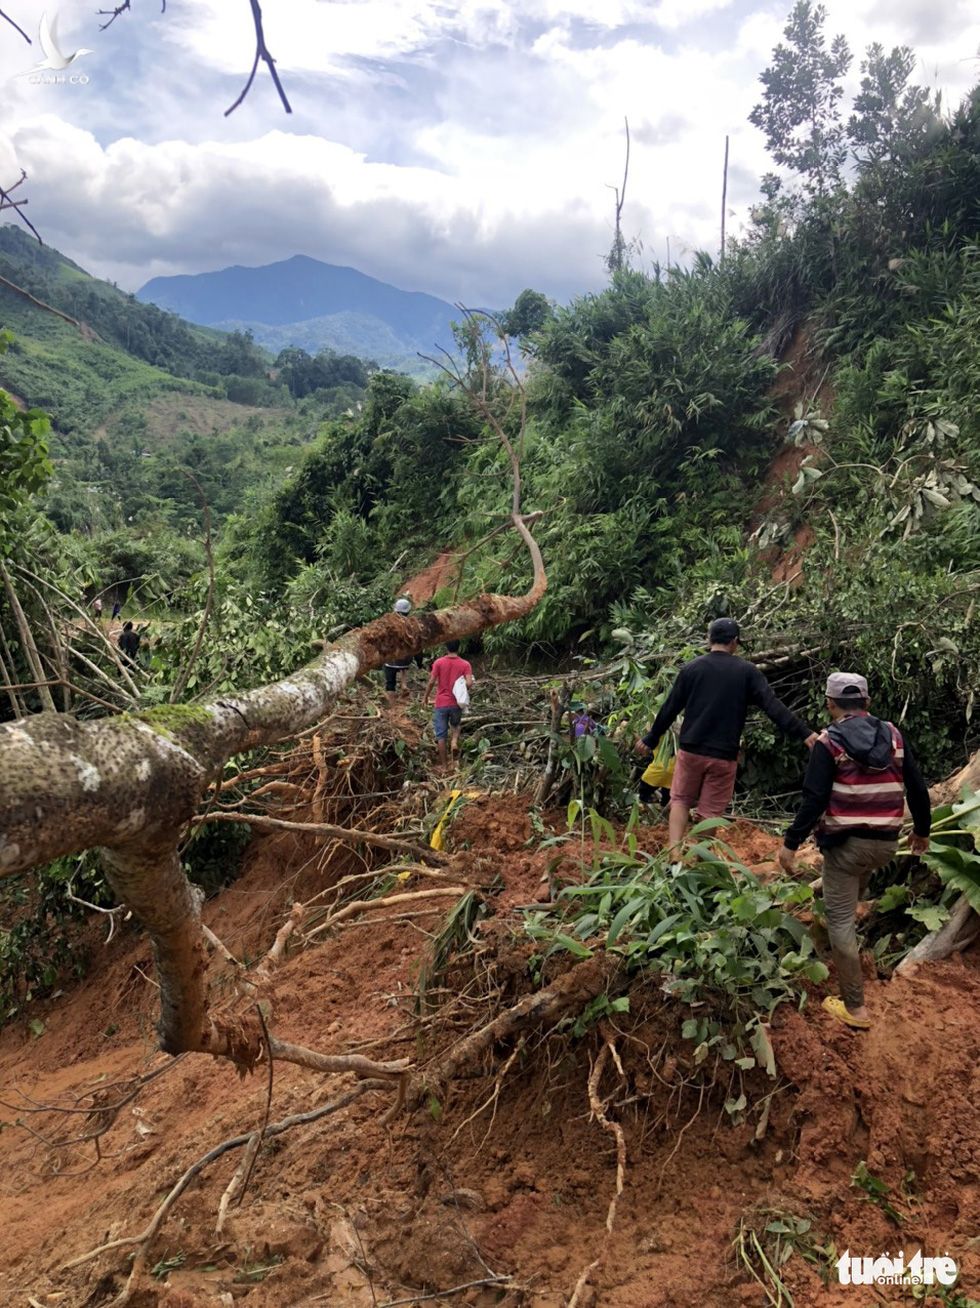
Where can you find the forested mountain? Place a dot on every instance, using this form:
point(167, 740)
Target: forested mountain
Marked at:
point(150, 413)
point(304, 302)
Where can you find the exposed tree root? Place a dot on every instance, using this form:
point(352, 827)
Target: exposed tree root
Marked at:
point(607, 1052)
point(356, 1063)
point(568, 993)
point(100, 1112)
point(500, 1281)
point(144, 1239)
point(598, 1110)
point(383, 901)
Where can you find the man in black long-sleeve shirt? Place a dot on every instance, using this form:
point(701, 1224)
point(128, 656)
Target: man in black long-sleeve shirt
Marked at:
point(861, 772)
point(714, 692)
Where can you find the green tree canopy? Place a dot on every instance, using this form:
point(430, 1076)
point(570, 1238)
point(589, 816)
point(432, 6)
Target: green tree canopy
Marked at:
point(800, 111)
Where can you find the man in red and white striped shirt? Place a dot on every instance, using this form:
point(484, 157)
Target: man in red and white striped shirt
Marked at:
point(860, 772)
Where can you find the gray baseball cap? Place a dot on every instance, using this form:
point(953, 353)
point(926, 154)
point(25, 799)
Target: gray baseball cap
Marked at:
point(403, 604)
point(846, 685)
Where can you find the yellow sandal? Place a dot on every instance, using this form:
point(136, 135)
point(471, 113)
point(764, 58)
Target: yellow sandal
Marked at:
point(836, 1007)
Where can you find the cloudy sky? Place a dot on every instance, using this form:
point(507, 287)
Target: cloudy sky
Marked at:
point(462, 147)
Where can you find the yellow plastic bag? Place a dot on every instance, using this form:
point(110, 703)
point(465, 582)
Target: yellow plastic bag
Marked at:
point(660, 770)
point(659, 774)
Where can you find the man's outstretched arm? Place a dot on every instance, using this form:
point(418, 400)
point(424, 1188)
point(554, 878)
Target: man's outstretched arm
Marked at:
point(761, 694)
point(920, 805)
point(665, 719)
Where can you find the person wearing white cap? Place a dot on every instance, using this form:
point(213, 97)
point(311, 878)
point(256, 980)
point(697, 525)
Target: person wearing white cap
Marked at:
point(860, 772)
point(396, 670)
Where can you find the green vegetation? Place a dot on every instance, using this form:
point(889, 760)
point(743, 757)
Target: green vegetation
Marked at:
point(787, 434)
point(722, 944)
point(24, 464)
point(151, 416)
point(838, 334)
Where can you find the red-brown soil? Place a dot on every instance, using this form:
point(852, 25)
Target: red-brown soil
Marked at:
point(350, 1211)
point(802, 378)
point(427, 583)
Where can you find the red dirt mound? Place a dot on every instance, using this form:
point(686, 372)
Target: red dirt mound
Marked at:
point(509, 1174)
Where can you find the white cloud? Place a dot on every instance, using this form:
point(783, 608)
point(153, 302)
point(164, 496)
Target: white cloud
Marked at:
point(673, 14)
point(464, 148)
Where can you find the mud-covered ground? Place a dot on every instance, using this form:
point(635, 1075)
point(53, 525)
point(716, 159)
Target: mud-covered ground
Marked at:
point(507, 1176)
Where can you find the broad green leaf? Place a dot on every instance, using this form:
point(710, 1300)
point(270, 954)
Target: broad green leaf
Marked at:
point(893, 897)
point(625, 914)
point(609, 755)
point(762, 1045)
point(930, 915)
point(574, 947)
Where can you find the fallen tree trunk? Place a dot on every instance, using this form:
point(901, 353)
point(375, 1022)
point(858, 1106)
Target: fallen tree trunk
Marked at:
point(129, 784)
point(963, 925)
point(958, 933)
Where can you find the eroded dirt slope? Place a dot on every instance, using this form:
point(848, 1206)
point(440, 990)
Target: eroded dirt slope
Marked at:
point(509, 1175)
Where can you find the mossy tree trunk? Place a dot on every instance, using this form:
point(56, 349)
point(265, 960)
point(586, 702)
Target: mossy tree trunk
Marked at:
point(128, 785)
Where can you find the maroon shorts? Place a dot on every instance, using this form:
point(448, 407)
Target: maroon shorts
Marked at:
point(703, 783)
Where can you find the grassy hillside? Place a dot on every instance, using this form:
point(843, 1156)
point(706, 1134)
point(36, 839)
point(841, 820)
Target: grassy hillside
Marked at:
point(137, 399)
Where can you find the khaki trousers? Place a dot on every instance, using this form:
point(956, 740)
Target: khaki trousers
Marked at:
point(847, 869)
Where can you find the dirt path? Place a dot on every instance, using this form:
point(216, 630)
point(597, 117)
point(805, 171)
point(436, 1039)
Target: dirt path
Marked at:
point(352, 1212)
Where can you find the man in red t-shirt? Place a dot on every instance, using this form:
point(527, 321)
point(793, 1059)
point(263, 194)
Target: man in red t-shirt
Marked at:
point(447, 715)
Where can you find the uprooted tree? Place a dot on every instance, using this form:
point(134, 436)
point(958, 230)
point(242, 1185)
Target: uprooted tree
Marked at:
point(128, 785)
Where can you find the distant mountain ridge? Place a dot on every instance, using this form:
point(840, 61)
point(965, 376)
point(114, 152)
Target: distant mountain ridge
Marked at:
point(305, 302)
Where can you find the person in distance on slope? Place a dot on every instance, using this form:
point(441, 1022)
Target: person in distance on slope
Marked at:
point(860, 771)
point(396, 671)
point(447, 715)
point(129, 641)
point(714, 692)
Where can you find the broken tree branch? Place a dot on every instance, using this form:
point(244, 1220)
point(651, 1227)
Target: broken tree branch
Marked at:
point(261, 55)
point(27, 642)
point(18, 205)
point(327, 829)
point(16, 26)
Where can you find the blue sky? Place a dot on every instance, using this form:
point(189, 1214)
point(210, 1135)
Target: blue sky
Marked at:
point(466, 149)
